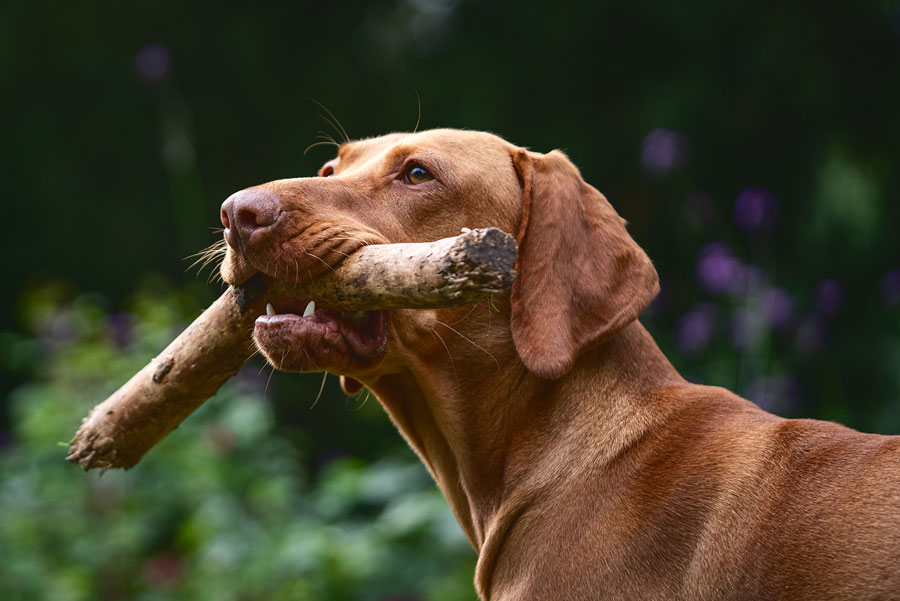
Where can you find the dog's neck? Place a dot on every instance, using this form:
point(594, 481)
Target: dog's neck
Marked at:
point(485, 441)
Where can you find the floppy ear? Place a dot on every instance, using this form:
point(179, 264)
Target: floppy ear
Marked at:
point(580, 276)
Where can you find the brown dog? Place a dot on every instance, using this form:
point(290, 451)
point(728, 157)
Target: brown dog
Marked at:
point(578, 462)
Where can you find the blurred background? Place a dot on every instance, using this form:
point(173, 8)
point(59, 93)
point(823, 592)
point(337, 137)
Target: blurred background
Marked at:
point(753, 147)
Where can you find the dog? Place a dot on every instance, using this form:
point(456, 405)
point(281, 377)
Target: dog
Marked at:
point(578, 462)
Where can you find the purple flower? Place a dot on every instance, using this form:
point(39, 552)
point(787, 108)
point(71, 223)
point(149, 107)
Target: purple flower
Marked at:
point(829, 297)
point(662, 151)
point(747, 328)
point(57, 330)
point(254, 380)
point(890, 283)
point(695, 329)
point(755, 209)
point(119, 328)
point(746, 279)
point(325, 457)
point(152, 62)
point(659, 302)
point(773, 393)
point(778, 306)
point(717, 268)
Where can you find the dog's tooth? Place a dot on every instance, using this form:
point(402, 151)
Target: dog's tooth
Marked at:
point(310, 309)
point(270, 310)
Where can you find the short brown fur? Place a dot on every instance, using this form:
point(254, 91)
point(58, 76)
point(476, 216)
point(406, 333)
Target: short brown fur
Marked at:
point(578, 462)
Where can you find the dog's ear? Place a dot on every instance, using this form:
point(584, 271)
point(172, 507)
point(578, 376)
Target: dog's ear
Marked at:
point(581, 277)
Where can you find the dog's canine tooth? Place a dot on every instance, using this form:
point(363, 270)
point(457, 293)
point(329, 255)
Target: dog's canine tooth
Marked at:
point(270, 310)
point(310, 309)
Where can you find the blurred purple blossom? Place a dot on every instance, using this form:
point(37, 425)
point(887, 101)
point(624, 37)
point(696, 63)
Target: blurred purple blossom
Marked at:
point(755, 208)
point(698, 209)
point(662, 151)
point(890, 284)
point(747, 327)
point(325, 457)
point(56, 330)
point(746, 280)
point(695, 329)
point(779, 307)
point(659, 301)
point(119, 328)
point(152, 62)
point(254, 380)
point(717, 268)
point(774, 393)
point(829, 297)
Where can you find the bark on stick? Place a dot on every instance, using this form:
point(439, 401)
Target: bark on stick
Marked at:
point(449, 272)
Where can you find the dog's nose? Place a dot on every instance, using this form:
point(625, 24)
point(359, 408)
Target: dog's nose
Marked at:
point(247, 212)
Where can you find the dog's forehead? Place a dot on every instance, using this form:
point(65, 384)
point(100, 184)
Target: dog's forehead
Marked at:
point(472, 146)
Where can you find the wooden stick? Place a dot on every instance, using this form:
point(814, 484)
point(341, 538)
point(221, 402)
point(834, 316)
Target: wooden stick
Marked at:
point(445, 273)
point(449, 272)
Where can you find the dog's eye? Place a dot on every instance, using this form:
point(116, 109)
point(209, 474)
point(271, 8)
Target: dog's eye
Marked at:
point(417, 175)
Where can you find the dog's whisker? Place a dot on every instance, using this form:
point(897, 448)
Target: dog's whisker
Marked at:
point(469, 312)
point(350, 236)
point(365, 400)
point(336, 123)
point(439, 337)
point(219, 244)
point(320, 259)
point(210, 258)
point(320, 143)
point(321, 388)
point(280, 362)
point(419, 105)
point(204, 256)
point(482, 349)
point(323, 135)
point(338, 251)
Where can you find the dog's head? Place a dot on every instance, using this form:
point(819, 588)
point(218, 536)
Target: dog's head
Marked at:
point(581, 277)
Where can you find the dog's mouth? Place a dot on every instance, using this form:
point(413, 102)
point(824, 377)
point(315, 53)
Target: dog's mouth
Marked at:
point(298, 336)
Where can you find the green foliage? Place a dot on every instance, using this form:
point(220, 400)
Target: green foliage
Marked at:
point(223, 509)
point(752, 149)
